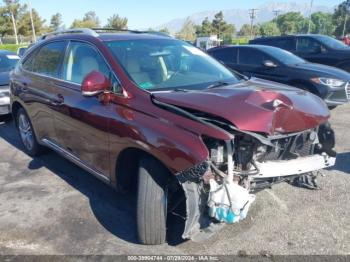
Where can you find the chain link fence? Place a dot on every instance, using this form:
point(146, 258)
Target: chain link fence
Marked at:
point(5, 40)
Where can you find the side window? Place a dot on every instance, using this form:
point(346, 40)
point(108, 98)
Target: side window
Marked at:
point(81, 60)
point(285, 43)
point(47, 60)
point(307, 45)
point(226, 55)
point(249, 56)
point(27, 64)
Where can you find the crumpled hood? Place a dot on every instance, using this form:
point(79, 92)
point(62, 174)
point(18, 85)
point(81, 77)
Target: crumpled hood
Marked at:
point(255, 105)
point(4, 78)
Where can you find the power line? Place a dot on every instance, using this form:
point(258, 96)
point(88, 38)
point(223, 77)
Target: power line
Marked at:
point(311, 5)
point(276, 13)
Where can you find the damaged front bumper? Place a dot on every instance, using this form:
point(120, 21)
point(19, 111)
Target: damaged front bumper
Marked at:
point(221, 193)
point(298, 166)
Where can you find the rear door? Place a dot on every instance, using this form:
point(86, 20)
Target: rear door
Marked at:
point(82, 122)
point(39, 71)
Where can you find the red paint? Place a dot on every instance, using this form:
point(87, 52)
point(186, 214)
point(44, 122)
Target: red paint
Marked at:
point(95, 82)
point(97, 129)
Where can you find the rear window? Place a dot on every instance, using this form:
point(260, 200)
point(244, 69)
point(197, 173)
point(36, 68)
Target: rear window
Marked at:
point(48, 60)
point(284, 43)
point(226, 55)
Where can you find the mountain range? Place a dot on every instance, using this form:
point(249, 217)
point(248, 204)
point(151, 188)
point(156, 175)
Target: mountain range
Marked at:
point(238, 17)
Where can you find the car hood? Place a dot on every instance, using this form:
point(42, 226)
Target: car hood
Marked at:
point(4, 78)
point(255, 105)
point(323, 70)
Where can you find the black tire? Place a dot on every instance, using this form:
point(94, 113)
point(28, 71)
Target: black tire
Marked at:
point(332, 107)
point(35, 149)
point(151, 202)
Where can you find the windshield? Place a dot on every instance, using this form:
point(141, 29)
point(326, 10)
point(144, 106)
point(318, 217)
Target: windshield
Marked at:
point(331, 42)
point(283, 56)
point(168, 64)
point(8, 62)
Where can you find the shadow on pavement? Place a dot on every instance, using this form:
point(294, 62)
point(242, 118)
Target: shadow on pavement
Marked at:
point(113, 210)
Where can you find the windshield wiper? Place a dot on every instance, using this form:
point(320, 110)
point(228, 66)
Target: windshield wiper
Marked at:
point(218, 84)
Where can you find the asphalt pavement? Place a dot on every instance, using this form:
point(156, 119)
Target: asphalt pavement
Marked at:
point(50, 206)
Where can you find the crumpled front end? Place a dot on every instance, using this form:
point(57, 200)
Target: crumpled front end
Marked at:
point(220, 189)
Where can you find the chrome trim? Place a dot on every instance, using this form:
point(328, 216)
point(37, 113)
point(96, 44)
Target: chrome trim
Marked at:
point(347, 90)
point(68, 155)
point(91, 93)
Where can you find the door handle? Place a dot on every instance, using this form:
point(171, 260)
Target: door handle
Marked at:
point(24, 87)
point(58, 100)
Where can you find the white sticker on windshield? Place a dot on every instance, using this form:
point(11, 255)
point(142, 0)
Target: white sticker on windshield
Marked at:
point(194, 51)
point(13, 57)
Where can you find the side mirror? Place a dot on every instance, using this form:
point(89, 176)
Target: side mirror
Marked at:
point(95, 83)
point(269, 63)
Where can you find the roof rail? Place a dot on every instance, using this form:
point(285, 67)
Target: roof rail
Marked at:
point(87, 31)
point(101, 30)
point(95, 32)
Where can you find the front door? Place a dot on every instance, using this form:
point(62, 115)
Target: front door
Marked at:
point(81, 123)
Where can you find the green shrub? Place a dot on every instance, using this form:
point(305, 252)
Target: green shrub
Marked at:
point(10, 47)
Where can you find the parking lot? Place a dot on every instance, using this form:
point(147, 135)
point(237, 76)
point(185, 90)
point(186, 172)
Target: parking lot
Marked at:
point(50, 206)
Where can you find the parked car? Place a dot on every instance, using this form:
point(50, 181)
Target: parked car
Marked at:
point(21, 51)
point(157, 114)
point(8, 61)
point(275, 64)
point(319, 49)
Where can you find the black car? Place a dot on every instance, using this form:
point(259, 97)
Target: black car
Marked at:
point(314, 48)
point(278, 65)
point(8, 61)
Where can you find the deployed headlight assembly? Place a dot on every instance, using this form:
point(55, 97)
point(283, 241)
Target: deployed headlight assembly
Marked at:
point(331, 82)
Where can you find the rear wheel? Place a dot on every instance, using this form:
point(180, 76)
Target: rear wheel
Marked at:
point(26, 133)
point(151, 202)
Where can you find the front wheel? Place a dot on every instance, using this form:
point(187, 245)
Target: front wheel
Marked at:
point(151, 202)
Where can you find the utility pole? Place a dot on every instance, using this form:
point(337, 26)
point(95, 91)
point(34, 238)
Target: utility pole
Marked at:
point(32, 22)
point(311, 5)
point(276, 13)
point(347, 5)
point(14, 24)
point(252, 15)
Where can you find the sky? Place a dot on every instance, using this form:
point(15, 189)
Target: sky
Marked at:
point(144, 13)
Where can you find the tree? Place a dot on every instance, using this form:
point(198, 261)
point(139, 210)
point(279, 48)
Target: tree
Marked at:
point(269, 29)
point(206, 29)
point(90, 20)
point(13, 6)
point(117, 22)
point(24, 23)
point(292, 23)
point(221, 28)
point(323, 23)
point(341, 13)
point(245, 30)
point(165, 30)
point(188, 31)
point(56, 22)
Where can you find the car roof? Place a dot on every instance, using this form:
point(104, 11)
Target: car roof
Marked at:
point(259, 47)
point(284, 36)
point(104, 34)
point(6, 52)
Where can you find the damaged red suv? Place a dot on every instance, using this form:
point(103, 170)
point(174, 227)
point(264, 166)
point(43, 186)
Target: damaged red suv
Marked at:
point(147, 112)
